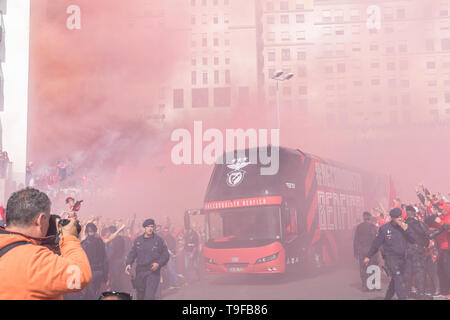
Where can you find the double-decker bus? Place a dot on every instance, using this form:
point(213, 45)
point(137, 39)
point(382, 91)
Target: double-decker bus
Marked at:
point(303, 215)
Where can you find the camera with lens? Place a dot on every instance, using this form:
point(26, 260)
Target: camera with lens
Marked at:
point(52, 232)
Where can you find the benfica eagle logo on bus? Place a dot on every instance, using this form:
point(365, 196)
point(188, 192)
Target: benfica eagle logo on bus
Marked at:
point(235, 177)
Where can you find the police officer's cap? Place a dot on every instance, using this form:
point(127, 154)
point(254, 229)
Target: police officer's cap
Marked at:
point(148, 222)
point(395, 213)
point(90, 227)
point(410, 208)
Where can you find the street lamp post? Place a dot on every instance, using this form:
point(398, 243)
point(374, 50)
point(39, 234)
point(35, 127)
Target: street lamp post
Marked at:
point(278, 76)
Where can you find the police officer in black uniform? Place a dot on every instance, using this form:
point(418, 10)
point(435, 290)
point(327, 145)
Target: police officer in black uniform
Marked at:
point(150, 253)
point(96, 252)
point(394, 237)
point(365, 233)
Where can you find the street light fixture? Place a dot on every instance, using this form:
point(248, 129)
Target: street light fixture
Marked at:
point(276, 76)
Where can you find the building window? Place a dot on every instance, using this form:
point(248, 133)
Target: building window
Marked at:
point(222, 97)
point(390, 50)
point(227, 77)
point(339, 16)
point(286, 54)
point(356, 29)
point(328, 69)
point(388, 13)
point(287, 91)
point(445, 43)
point(244, 95)
point(404, 83)
point(285, 36)
point(403, 65)
point(340, 67)
point(300, 18)
point(193, 20)
point(205, 77)
point(326, 16)
point(355, 15)
point(216, 42)
point(301, 55)
point(193, 62)
point(300, 35)
point(432, 83)
point(375, 82)
point(429, 45)
point(204, 41)
point(447, 97)
point(271, 36)
point(434, 115)
point(284, 19)
point(432, 100)
point(446, 62)
point(178, 98)
point(205, 61)
point(194, 78)
point(227, 60)
point(403, 48)
point(271, 56)
point(270, 19)
point(405, 100)
point(216, 77)
point(326, 31)
point(401, 13)
point(391, 66)
point(303, 90)
point(269, 5)
point(215, 19)
point(204, 19)
point(216, 61)
point(339, 30)
point(284, 5)
point(431, 65)
point(393, 100)
point(200, 98)
point(193, 3)
point(373, 47)
point(302, 71)
point(226, 19)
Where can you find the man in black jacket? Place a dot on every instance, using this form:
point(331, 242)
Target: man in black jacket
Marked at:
point(394, 237)
point(365, 233)
point(96, 252)
point(150, 253)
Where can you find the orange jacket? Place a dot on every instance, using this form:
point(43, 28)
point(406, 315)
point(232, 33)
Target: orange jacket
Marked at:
point(34, 272)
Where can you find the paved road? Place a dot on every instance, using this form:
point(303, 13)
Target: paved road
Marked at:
point(342, 283)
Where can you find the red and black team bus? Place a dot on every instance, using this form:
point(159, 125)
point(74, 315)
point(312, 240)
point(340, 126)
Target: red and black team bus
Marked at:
point(303, 215)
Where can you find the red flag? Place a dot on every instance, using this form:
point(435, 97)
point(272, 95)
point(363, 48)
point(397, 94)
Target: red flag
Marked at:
point(2, 213)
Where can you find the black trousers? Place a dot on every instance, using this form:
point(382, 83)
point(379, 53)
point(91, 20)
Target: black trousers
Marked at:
point(396, 266)
point(444, 271)
point(415, 269)
point(92, 291)
point(147, 283)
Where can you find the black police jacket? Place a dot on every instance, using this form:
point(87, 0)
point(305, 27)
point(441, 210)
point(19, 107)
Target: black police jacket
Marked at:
point(393, 239)
point(147, 251)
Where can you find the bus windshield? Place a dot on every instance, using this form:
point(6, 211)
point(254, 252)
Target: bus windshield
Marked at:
point(244, 224)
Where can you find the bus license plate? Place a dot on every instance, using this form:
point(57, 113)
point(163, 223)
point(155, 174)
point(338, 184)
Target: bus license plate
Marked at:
point(235, 269)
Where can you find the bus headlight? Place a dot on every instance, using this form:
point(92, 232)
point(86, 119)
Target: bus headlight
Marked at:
point(267, 259)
